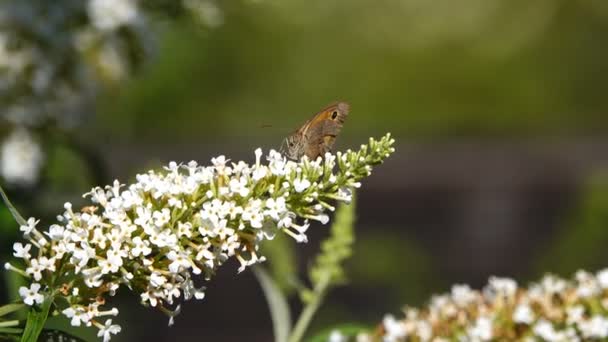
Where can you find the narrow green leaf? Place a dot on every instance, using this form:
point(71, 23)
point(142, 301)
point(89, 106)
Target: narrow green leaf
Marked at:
point(20, 220)
point(11, 323)
point(8, 308)
point(14, 331)
point(36, 319)
point(277, 303)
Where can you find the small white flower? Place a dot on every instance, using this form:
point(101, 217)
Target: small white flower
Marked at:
point(523, 314)
point(22, 251)
point(502, 287)
point(179, 261)
point(29, 227)
point(161, 217)
point(596, 327)
point(30, 295)
point(107, 330)
point(602, 278)
point(462, 295)
point(301, 184)
point(551, 284)
point(395, 329)
point(336, 336)
point(575, 314)
point(482, 329)
point(544, 329)
point(55, 232)
point(239, 186)
point(111, 14)
point(35, 269)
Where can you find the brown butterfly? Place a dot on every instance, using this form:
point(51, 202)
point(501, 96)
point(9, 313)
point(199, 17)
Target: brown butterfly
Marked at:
point(317, 135)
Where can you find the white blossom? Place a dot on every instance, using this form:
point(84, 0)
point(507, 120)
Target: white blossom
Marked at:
point(481, 330)
point(111, 14)
point(30, 295)
point(523, 314)
point(107, 330)
point(22, 251)
point(596, 327)
point(21, 158)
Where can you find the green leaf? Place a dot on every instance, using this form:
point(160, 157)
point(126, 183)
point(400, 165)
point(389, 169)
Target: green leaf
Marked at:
point(8, 308)
point(36, 319)
point(12, 208)
point(277, 303)
point(14, 331)
point(20, 220)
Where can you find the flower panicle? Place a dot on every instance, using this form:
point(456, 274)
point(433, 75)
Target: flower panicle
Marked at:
point(553, 309)
point(171, 229)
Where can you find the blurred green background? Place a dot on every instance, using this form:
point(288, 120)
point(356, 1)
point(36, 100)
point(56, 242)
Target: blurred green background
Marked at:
point(498, 108)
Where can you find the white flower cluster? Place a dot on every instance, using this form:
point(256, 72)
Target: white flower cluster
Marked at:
point(54, 54)
point(155, 235)
point(553, 310)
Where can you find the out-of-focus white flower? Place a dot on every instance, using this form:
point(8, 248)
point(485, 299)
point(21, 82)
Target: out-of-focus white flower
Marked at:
point(596, 327)
point(482, 330)
point(462, 295)
point(112, 14)
point(545, 330)
point(112, 62)
point(21, 158)
point(336, 336)
point(501, 287)
point(602, 278)
point(575, 314)
point(587, 284)
point(395, 329)
point(523, 314)
point(553, 310)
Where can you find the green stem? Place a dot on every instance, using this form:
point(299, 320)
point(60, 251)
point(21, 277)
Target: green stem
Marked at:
point(277, 303)
point(309, 310)
point(36, 319)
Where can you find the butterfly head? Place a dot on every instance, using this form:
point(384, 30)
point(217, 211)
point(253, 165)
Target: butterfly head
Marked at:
point(293, 146)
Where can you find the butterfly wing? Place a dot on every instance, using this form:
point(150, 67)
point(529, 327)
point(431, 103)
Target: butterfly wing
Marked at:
point(321, 131)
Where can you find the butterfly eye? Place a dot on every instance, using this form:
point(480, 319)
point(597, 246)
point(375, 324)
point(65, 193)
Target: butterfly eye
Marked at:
point(334, 115)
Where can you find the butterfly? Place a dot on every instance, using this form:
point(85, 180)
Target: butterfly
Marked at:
point(317, 135)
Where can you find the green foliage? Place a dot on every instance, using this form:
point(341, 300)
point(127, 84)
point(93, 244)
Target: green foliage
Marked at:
point(373, 266)
point(327, 270)
point(585, 230)
point(36, 319)
point(277, 303)
point(479, 69)
point(328, 266)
